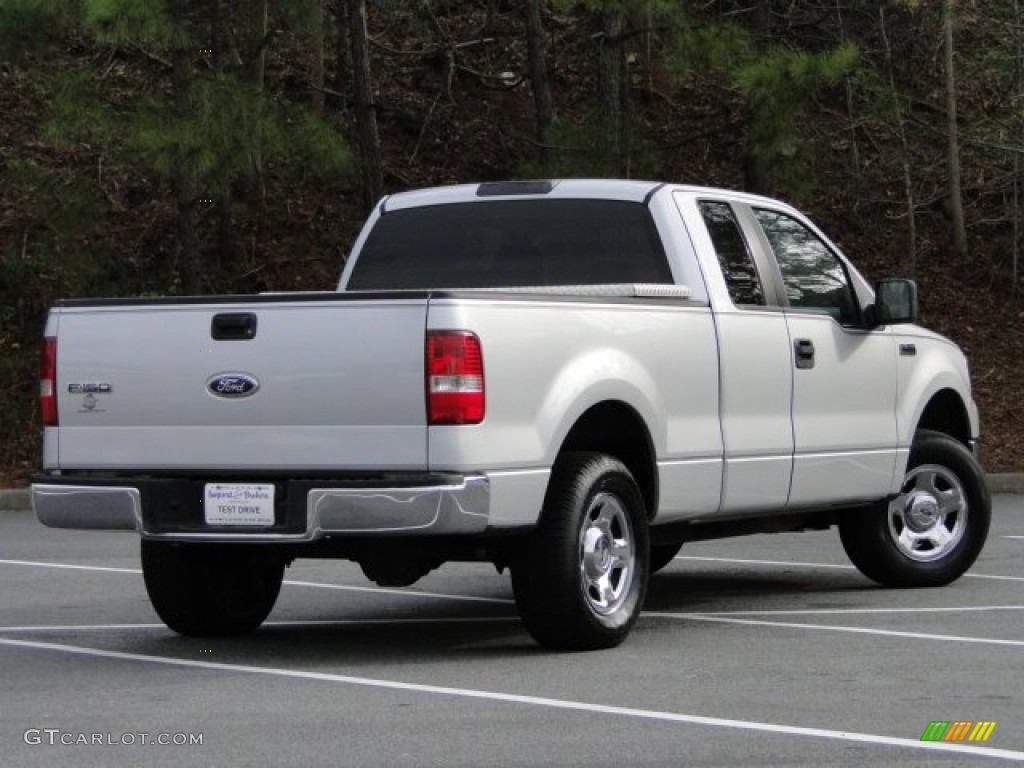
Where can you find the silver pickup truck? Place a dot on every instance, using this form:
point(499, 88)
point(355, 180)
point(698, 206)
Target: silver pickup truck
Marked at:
point(570, 379)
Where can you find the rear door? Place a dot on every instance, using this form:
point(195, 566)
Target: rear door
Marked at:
point(756, 377)
point(309, 381)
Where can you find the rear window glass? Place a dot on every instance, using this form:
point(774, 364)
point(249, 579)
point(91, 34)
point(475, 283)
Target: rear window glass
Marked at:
point(512, 243)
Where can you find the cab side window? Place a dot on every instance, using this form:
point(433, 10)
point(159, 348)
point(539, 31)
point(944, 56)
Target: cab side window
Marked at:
point(815, 278)
point(733, 255)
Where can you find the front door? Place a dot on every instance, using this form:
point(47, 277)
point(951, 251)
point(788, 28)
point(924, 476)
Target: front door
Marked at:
point(844, 377)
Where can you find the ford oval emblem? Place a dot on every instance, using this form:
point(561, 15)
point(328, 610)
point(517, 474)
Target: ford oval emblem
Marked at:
point(232, 385)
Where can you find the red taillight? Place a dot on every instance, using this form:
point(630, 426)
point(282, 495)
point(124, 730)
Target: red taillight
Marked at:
point(48, 382)
point(455, 378)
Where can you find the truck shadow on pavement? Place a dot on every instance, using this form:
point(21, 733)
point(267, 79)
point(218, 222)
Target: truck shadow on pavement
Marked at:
point(749, 589)
point(370, 638)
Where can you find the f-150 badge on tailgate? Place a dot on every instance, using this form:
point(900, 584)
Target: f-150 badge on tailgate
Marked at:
point(90, 387)
point(232, 385)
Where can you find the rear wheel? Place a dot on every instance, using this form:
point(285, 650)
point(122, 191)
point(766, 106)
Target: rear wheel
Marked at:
point(581, 579)
point(934, 530)
point(211, 590)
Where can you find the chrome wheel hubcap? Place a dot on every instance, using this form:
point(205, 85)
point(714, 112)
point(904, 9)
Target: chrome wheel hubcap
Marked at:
point(929, 517)
point(607, 554)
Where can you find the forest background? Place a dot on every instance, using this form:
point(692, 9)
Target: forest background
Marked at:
point(226, 146)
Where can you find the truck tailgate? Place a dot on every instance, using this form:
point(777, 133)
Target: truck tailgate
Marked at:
point(326, 382)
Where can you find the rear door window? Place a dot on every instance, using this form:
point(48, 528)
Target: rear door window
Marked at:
point(734, 256)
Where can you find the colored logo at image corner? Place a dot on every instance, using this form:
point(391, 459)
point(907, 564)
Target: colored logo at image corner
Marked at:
point(958, 730)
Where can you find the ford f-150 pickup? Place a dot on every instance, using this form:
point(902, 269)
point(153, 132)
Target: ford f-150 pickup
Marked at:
point(570, 379)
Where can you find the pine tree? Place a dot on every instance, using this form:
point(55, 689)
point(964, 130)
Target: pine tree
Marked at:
point(777, 83)
point(217, 126)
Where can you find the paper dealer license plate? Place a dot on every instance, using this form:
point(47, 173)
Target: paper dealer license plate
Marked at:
point(238, 504)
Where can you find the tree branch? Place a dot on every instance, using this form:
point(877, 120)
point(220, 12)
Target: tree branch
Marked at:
point(153, 56)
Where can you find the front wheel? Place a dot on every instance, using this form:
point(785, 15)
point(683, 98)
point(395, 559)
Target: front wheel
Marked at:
point(581, 578)
point(934, 530)
point(210, 590)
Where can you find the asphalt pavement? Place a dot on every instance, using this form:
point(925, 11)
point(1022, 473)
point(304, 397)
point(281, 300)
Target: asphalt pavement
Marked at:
point(764, 650)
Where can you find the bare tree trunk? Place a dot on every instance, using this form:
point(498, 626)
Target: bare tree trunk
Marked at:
point(855, 175)
point(184, 184)
point(625, 115)
point(908, 184)
point(1018, 19)
point(220, 34)
point(762, 14)
point(610, 85)
point(956, 203)
point(366, 109)
point(254, 23)
point(343, 67)
point(259, 15)
point(538, 69)
point(755, 174)
point(319, 42)
point(1015, 248)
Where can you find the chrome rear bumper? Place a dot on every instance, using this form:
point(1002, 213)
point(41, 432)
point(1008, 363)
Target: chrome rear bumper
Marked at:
point(457, 507)
point(88, 507)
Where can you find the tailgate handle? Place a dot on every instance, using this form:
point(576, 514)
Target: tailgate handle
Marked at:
point(233, 326)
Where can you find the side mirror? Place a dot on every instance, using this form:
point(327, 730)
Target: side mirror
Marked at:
point(895, 302)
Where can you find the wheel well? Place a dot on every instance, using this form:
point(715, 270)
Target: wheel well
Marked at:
point(616, 429)
point(945, 413)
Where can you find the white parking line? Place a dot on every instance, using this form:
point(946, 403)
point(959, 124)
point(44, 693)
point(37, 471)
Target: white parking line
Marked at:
point(537, 701)
point(81, 627)
point(409, 592)
point(39, 564)
point(828, 611)
point(396, 622)
point(287, 582)
point(832, 628)
point(297, 623)
point(797, 564)
point(721, 616)
point(403, 592)
point(764, 562)
point(992, 577)
point(1013, 537)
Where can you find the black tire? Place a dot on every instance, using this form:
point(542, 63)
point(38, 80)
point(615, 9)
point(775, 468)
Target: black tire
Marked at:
point(662, 555)
point(933, 532)
point(581, 578)
point(209, 590)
